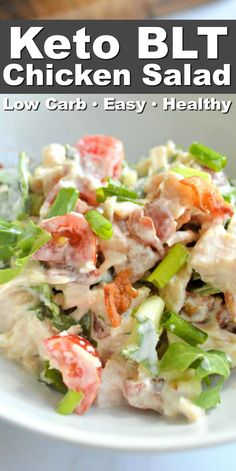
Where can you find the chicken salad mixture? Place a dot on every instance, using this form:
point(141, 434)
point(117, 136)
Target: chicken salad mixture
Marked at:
point(117, 282)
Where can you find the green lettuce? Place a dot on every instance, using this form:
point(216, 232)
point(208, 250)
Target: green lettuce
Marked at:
point(211, 367)
point(18, 242)
point(47, 308)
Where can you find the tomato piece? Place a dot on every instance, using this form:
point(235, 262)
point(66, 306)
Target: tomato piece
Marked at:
point(118, 296)
point(207, 197)
point(79, 364)
point(101, 156)
point(73, 243)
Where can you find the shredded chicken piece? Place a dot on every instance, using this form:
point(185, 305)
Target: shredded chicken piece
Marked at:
point(144, 393)
point(114, 374)
point(174, 293)
point(139, 259)
point(190, 410)
point(214, 258)
point(185, 237)
point(197, 308)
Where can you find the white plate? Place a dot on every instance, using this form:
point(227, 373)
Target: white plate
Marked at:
point(31, 404)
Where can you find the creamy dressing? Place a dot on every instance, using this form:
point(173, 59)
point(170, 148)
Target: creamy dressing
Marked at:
point(127, 352)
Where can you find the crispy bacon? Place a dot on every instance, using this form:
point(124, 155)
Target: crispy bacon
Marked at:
point(207, 197)
point(118, 296)
point(142, 228)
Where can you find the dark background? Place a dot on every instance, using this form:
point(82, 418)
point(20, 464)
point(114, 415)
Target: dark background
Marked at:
point(127, 34)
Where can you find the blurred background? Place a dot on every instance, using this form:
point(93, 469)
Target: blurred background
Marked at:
point(112, 9)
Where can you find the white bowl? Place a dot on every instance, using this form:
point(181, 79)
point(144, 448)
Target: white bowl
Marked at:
point(23, 399)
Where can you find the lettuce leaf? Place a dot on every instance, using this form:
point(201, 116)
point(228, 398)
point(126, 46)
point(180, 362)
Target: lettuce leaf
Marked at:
point(181, 357)
point(209, 397)
point(47, 308)
point(208, 366)
point(53, 377)
point(18, 242)
point(64, 203)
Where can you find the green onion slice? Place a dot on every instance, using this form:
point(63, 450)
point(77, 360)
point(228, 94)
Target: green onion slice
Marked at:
point(208, 157)
point(24, 174)
point(64, 203)
point(187, 172)
point(99, 224)
point(115, 188)
point(183, 329)
point(169, 266)
point(69, 402)
point(230, 197)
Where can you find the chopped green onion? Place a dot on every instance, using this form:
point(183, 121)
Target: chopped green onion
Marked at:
point(69, 402)
point(208, 157)
point(169, 266)
point(230, 197)
point(187, 172)
point(24, 174)
point(142, 342)
point(35, 203)
point(24, 183)
point(183, 329)
point(64, 203)
point(115, 188)
point(99, 224)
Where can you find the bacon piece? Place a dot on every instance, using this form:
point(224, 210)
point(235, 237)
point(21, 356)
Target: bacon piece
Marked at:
point(142, 228)
point(162, 219)
point(230, 300)
point(118, 296)
point(207, 197)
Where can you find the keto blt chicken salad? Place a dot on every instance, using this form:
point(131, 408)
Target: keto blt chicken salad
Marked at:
point(117, 282)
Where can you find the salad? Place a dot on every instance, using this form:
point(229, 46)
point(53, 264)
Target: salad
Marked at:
point(117, 282)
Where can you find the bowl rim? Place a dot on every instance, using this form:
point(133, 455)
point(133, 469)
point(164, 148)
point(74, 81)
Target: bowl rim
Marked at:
point(65, 433)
